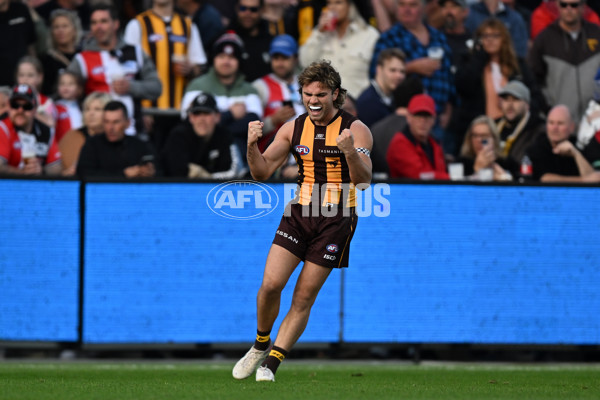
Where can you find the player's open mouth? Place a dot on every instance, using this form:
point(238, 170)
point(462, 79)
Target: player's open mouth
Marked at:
point(315, 108)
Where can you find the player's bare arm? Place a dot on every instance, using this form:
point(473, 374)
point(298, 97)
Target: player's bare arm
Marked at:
point(262, 166)
point(359, 163)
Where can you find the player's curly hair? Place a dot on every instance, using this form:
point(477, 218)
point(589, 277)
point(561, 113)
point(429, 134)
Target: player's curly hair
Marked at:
point(322, 71)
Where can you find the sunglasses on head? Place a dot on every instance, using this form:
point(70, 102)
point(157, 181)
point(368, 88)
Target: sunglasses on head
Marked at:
point(15, 105)
point(564, 4)
point(246, 8)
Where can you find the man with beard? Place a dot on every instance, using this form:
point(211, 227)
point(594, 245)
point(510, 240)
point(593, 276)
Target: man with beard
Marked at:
point(564, 58)
point(27, 146)
point(107, 64)
point(237, 100)
point(254, 32)
point(518, 127)
point(455, 13)
point(279, 89)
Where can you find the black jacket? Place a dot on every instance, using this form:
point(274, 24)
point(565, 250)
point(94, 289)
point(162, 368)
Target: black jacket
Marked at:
point(99, 157)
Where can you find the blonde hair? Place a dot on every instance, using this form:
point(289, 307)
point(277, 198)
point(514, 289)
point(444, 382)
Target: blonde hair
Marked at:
point(73, 19)
point(103, 97)
point(467, 147)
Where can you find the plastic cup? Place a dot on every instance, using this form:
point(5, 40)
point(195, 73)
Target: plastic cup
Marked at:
point(456, 171)
point(435, 52)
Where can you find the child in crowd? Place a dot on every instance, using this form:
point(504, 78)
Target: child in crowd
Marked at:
point(30, 72)
point(70, 89)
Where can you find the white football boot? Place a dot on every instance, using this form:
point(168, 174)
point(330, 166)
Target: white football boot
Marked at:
point(264, 374)
point(248, 364)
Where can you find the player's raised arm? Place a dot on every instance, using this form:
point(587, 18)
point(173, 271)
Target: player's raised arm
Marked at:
point(357, 143)
point(262, 166)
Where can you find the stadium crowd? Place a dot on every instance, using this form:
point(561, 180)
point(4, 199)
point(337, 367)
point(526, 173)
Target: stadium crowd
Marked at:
point(451, 89)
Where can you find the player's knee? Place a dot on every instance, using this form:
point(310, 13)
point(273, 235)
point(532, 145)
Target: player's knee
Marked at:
point(302, 301)
point(271, 288)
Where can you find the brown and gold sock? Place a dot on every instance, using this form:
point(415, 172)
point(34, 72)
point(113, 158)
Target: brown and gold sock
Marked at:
point(263, 340)
point(275, 358)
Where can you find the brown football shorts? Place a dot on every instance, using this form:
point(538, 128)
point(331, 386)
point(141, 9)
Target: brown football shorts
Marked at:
point(320, 239)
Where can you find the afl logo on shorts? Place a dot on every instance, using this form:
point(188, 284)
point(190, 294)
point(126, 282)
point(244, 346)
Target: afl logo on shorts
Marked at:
point(302, 150)
point(332, 248)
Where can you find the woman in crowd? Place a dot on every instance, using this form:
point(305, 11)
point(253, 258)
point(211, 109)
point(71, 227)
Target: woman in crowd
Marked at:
point(72, 142)
point(480, 152)
point(65, 35)
point(344, 37)
point(489, 67)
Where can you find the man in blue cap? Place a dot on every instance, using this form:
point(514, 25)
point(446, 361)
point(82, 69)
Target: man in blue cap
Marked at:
point(279, 91)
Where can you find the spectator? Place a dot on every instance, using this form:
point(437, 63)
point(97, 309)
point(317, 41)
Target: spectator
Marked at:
point(565, 57)
point(17, 38)
point(113, 153)
point(72, 142)
point(27, 145)
point(70, 89)
point(384, 130)
point(414, 153)
point(199, 147)
point(347, 40)
point(547, 12)
point(454, 14)
point(518, 127)
point(249, 25)
point(590, 122)
point(237, 99)
point(428, 57)
point(481, 76)
point(480, 152)
point(375, 103)
point(109, 65)
point(78, 6)
point(5, 93)
point(554, 156)
point(30, 72)
point(279, 90)
point(174, 45)
point(512, 20)
point(207, 19)
point(65, 35)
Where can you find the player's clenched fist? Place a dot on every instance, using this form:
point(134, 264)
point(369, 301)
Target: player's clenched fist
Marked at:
point(254, 131)
point(345, 141)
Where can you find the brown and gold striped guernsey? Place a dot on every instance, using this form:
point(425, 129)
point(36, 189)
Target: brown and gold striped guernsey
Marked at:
point(161, 40)
point(321, 165)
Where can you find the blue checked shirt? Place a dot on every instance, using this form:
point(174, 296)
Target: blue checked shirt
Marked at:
point(440, 85)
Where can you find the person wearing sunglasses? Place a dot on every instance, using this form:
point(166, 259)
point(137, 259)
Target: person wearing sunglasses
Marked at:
point(253, 29)
point(564, 58)
point(547, 12)
point(27, 146)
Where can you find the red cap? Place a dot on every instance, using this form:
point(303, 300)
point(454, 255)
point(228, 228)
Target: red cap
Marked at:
point(421, 103)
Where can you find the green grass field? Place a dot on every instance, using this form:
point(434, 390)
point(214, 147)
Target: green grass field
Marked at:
point(124, 380)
